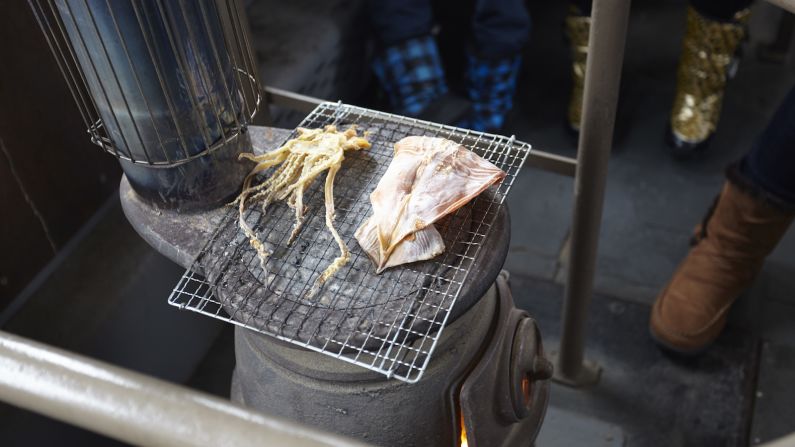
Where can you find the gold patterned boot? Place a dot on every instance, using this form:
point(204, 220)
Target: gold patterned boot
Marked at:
point(577, 28)
point(708, 56)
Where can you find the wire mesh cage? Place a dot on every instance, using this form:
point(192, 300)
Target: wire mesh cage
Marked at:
point(158, 83)
point(388, 322)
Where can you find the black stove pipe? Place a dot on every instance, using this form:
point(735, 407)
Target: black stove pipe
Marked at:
point(161, 79)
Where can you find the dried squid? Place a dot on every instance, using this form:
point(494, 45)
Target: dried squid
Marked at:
point(427, 179)
point(299, 161)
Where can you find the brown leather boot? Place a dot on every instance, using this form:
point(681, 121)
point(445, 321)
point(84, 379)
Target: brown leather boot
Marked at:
point(728, 250)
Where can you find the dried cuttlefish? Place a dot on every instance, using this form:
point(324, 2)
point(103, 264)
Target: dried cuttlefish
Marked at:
point(427, 179)
point(300, 161)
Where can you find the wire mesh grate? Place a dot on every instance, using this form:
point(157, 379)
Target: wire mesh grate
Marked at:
point(388, 323)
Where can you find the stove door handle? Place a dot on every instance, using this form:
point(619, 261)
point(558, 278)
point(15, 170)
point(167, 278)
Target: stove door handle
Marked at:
point(528, 366)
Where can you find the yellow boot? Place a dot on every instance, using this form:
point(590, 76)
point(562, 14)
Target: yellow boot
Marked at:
point(577, 28)
point(708, 55)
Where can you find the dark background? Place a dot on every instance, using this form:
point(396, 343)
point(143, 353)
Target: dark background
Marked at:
point(51, 177)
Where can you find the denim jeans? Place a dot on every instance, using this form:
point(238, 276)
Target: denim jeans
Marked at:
point(500, 28)
point(770, 164)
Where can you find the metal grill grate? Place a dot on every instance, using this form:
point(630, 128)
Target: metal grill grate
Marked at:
point(388, 323)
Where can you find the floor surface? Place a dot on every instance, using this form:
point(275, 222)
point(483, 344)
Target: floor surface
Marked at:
point(652, 203)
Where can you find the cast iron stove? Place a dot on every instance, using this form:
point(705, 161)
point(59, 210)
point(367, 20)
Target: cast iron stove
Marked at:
point(488, 374)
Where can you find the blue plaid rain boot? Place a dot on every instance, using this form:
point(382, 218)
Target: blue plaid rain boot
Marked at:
point(411, 74)
point(490, 85)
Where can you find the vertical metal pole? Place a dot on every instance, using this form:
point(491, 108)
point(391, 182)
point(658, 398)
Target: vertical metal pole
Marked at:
point(602, 75)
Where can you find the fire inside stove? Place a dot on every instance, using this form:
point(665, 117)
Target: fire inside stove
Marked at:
point(463, 442)
point(387, 322)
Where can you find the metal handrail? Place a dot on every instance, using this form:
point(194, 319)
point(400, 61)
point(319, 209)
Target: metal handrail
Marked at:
point(609, 19)
point(784, 441)
point(787, 5)
point(133, 407)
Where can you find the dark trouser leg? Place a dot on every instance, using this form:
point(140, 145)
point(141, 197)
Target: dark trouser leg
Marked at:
point(500, 28)
point(754, 210)
point(770, 164)
point(408, 65)
point(722, 10)
point(395, 21)
point(583, 7)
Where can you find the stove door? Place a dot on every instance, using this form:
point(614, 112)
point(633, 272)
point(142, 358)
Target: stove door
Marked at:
point(505, 396)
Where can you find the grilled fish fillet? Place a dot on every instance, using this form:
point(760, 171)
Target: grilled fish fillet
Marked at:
point(420, 246)
point(427, 179)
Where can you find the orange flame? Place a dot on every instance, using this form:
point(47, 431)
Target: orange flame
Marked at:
point(527, 390)
point(464, 442)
